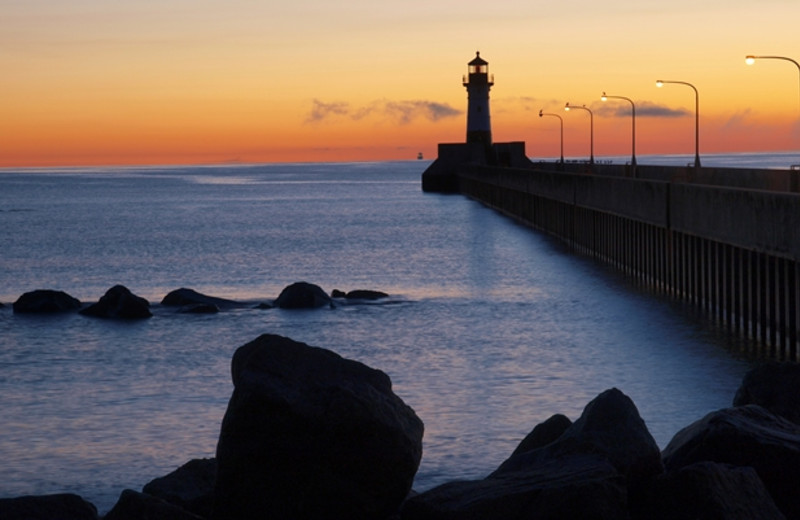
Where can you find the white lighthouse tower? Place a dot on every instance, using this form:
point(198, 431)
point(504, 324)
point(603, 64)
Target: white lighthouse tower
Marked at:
point(478, 83)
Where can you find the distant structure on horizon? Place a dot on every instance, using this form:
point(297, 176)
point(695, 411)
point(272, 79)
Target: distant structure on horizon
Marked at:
point(478, 148)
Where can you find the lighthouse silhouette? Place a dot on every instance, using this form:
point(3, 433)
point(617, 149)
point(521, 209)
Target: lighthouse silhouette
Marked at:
point(478, 83)
point(479, 150)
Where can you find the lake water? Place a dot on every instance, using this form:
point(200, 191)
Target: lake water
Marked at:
point(490, 329)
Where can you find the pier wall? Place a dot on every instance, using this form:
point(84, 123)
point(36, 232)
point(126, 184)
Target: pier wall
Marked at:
point(730, 251)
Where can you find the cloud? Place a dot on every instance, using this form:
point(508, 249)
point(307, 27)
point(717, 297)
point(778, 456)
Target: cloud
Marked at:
point(643, 109)
point(402, 112)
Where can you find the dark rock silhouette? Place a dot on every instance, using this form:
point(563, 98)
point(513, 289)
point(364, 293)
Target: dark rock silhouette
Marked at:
point(47, 507)
point(140, 506)
point(190, 298)
point(359, 294)
point(302, 295)
point(46, 301)
point(119, 303)
point(199, 308)
point(775, 386)
point(190, 487)
point(544, 433)
point(709, 490)
point(589, 471)
point(309, 434)
point(745, 436)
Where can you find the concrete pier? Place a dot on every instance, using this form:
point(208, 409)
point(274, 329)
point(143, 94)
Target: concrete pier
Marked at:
point(727, 241)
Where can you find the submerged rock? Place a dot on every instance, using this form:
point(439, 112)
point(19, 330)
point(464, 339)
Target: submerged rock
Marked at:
point(359, 294)
point(192, 299)
point(45, 301)
point(119, 303)
point(302, 295)
point(309, 434)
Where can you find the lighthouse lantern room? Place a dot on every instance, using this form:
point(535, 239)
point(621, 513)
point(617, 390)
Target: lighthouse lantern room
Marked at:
point(478, 83)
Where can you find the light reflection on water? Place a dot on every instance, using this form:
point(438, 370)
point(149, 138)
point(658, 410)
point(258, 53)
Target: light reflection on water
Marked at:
point(490, 330)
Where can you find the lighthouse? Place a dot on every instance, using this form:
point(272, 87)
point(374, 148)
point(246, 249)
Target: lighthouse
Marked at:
point(478, 83)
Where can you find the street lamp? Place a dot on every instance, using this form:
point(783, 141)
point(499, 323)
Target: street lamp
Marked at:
point(660, 83)
point(542, 113)
point(567, 107)
point(606, 97)
point(750, 59)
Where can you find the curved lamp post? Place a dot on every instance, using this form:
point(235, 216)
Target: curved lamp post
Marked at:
point(542, 113)
point(750, 59)
point(660, 83)
point(606, 97)
point(569, 107)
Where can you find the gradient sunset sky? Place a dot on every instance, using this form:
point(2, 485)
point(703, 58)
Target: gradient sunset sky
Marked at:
point(208, 81)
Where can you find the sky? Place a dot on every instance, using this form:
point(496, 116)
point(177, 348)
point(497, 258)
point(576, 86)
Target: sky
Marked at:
point(100, 82)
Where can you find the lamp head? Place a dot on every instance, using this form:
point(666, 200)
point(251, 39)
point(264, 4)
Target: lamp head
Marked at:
point(540, 112)
point(750, 59)
point(604, 97)
point(566, 107)
point(659, 83)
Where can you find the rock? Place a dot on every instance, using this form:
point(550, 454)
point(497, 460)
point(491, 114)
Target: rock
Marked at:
point(47, 507)
point(610, 427)
point(774, 386)
point(190, 487)
point(359, 294)
point(302, 295)
point(578, 486)
point(46, 301)
point(544, 433)
point(190, 298)
point(140, 506)
point(745, 436)
point(309, 434)
point(119, 303)
point(709, 490)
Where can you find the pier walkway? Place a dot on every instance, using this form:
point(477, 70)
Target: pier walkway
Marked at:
point(725, 240)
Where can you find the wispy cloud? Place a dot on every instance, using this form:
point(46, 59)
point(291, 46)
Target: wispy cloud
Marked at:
point(402, 112)
point(643, 109)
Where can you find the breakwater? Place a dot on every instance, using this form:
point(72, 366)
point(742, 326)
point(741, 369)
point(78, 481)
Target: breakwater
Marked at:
point(724, 240)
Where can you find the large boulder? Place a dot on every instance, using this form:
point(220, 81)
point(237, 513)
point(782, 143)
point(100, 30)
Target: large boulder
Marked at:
point(302, 295)
point(581, 486)
point(774, 386)
point(46, 301)
point(745, 436)
point(190, 487)
point(191, 299)
point(119, 303)
point(609, 427)
point(309, 434)
point(140, 506)
point(544, 433)
point(709, 490)
point(47, 507)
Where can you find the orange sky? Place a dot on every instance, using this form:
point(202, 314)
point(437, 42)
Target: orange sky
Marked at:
point(206, 81)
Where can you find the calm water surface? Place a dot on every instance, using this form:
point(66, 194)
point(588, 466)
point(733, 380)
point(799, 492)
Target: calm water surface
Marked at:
point(490, 329)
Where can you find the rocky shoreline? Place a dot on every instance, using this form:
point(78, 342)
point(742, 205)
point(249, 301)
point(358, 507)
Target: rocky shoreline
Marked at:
point(311, 435)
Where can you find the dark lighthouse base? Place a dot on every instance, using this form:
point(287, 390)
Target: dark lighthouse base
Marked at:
point(441, 176)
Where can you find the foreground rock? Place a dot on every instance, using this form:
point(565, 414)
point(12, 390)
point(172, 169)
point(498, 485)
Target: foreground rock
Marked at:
point(190, 487)
point(45, 301)
point(774, 386)
point(47, 507)
point(302, 295)
point(140, 506)
point(588, 471)
point(709, 490)
point(746, 436)
point(192, 301)
point(119, 303)
point(309, 434)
